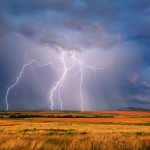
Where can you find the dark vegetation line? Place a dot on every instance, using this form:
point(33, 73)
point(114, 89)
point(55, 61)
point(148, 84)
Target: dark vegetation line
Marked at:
point(55, 116)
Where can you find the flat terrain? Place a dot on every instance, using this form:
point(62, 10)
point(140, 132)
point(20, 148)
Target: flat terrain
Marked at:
point(73, 130)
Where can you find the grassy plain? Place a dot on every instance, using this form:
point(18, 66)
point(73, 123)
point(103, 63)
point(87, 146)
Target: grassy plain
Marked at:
point(72, 130)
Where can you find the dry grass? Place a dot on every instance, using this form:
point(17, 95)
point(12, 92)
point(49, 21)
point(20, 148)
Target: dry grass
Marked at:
point(137, 113)
point(75, 142)
point(98, 120)
point(76, 133)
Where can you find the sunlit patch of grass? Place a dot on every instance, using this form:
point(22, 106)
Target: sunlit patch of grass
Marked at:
point(60, 132)
point(83, 142)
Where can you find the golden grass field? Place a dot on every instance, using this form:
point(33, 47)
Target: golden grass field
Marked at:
point(122, 130)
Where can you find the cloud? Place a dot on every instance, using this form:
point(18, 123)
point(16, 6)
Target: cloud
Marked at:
point(4, 26)
point(28, 29)
point(133, 79)
point(146, 85)
point(93, 35)
point(57, 41)
point(140, 99)
point(85, 36)
point(89, 26)
point(18, 7)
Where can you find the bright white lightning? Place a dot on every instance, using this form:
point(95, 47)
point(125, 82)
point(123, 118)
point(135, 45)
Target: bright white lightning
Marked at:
point(81, 81)
point(20, 76)
point(61, 80)
point(82, 65)
point(57, 87)
point(58, 84)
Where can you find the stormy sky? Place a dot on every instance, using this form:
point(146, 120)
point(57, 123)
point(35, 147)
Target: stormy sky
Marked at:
point(115, 33)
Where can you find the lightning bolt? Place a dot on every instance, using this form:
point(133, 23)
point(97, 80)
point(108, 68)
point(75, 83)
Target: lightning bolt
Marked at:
point(58, 85)
point(60, 82)
point(82, 66)
point(20, 76)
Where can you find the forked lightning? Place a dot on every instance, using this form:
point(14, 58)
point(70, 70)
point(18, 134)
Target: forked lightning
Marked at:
point(65, 55)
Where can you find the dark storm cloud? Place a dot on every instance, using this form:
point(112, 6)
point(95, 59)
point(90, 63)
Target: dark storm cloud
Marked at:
point(58, 41)
point(31, 6)
point(93, 35)
point(4, 26)
point(121, 29)
point(27, 29)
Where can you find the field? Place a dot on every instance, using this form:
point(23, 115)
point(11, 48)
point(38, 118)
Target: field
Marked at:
point(73, 130)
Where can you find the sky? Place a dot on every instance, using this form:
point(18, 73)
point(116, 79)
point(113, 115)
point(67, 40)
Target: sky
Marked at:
point(115, 34)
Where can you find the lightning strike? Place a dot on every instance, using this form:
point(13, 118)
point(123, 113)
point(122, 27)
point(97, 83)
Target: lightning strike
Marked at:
point(61, 80)
point(59, 83)
point(20, 76)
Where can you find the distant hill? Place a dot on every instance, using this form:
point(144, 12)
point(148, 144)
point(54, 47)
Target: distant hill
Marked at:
point(133, 109)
